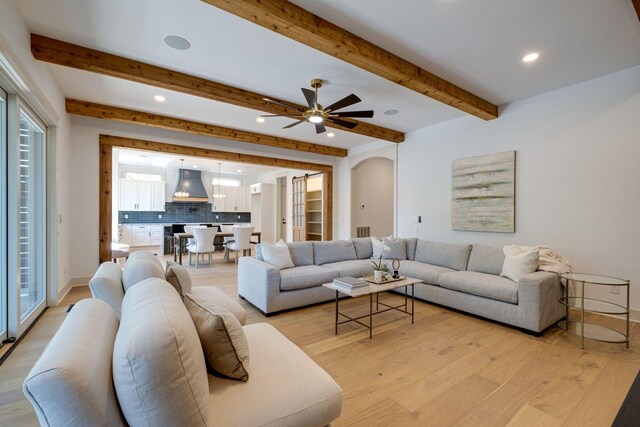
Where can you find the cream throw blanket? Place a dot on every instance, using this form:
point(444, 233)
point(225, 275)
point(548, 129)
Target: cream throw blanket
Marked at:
point(549, 259)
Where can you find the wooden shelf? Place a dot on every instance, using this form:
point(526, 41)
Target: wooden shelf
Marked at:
point(314, 234)
point(314, 222)
point(314, 200)
point(314, 210)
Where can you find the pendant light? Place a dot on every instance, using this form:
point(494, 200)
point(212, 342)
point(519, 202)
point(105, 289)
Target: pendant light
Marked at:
point(219, 194)
point(181, 191)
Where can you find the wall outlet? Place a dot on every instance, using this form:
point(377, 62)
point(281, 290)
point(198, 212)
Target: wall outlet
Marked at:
point(159, 216)
point(217, 216)
point(239, 216)
point(614, 289)
point(126, 216)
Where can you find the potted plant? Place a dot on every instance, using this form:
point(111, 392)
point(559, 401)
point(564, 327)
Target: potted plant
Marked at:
point(378, 268)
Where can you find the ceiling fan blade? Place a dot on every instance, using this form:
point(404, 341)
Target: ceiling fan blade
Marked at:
point(310, 96)
point(280, 115)
point(294, 124)
point(365, 114)
point(320, 128)
point(344, 102)
point(343, 123)
point(283, 104)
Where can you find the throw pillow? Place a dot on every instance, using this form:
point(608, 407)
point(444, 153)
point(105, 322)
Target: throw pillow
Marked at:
point(394, 248)
point(377, 245)
point(518, 263)
point(224, 344)
point(178, 277)
point(277, 255)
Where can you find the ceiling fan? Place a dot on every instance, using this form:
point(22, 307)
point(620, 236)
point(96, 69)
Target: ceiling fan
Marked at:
point(316, 114)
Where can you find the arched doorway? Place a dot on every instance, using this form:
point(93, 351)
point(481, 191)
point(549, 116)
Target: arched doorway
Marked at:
point(372, 197)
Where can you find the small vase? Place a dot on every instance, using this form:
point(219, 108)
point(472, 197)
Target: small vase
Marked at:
point(377, 275)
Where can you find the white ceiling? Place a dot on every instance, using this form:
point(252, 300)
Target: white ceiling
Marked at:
point(169, 161)
point(477, 44)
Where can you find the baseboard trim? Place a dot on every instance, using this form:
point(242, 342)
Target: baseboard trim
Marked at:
point(72, 283)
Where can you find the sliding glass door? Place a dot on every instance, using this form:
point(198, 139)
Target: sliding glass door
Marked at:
point(3, 215)
point(26, 217)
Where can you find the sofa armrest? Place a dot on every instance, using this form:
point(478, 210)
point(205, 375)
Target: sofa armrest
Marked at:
point(106, 285)
point(538, 295)
point(258, 282)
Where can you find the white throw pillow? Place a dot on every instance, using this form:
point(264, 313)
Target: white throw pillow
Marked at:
point(277, 255)
point(518, 262)
point(378, 246)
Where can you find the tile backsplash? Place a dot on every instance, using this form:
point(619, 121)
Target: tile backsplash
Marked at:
point(178, 213)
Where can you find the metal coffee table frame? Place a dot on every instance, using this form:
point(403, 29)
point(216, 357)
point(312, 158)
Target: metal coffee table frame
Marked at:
point(402, 308)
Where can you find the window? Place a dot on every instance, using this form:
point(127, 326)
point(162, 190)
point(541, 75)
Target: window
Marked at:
point(226, 182)
point(135, 176)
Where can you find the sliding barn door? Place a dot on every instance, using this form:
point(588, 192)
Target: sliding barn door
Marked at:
point(299, 186)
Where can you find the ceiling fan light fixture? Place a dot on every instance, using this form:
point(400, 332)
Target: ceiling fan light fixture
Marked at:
point(316, 118)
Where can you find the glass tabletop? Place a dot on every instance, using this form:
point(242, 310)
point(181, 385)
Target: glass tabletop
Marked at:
point(595, 279)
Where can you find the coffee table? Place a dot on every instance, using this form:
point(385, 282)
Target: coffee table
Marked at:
point(374, 289)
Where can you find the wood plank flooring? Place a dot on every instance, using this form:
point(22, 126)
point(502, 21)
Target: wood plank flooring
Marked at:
point(446, 369)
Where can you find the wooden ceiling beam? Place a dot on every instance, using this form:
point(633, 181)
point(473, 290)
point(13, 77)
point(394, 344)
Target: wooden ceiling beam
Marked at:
point(296, 23)
point(636, 5)
point(70, 55)
point(100, 111)
point(161, 147)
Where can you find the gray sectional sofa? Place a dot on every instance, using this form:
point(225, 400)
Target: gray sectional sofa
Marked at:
point(461, 276)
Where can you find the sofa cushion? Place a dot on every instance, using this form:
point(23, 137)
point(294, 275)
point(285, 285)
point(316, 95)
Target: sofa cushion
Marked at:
point(364, 248)
point(144, 255)
point(137, 270)
point(159, 370)
point(223, 342)
point(481, 284)
point(412, 242)
point(394, 248)
point(106, 285)
point(306, 276)
point(72, 383)
point(259, 252)
point(219, 297)
point(286, 387)
point(355, 268)
point(486, 259)
point(450, 255)
point(426, 272)
point(333, 251)
point(277, 255)
point(519, 262)
point(178, 277)
point(301, 253)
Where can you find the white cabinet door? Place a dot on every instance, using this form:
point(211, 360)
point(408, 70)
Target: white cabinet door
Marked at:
point(128, 195)
point(245, 193)
point(141, 235)
point(144, 196)
point(230, 203)
point(158, 196)
point(217, 205)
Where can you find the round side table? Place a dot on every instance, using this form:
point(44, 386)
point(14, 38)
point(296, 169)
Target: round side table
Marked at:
point(584, 305)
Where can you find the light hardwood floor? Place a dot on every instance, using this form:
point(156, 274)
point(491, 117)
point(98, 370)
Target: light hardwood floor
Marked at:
point(447, 369)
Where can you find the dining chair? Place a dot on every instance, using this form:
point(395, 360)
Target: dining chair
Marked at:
point(241, 241)
point(203, 243)
point(227, 228)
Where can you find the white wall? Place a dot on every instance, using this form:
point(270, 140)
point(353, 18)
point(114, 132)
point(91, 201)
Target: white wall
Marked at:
point(43, 95)
point(84, 175)
point(577, 174)
point(372, 189)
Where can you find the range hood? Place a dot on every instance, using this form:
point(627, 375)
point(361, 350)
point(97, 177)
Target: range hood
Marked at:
point(190, 181)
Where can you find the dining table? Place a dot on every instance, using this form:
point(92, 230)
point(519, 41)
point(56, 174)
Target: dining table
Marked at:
point(180, 239)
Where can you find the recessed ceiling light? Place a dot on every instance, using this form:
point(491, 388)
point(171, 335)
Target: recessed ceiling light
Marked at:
point(530, 57)
point(391, 112)
point(159, 98)
point(260, 120)
point(177, 42)
point(331, 134)
point(195, 166)
point(238, 170)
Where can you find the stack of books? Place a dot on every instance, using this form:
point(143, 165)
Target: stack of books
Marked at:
point(349, 283)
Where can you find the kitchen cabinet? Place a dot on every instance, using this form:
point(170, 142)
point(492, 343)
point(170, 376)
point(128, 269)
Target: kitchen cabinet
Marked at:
point(141, 196)
point(237, 199)
point(142, 234)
